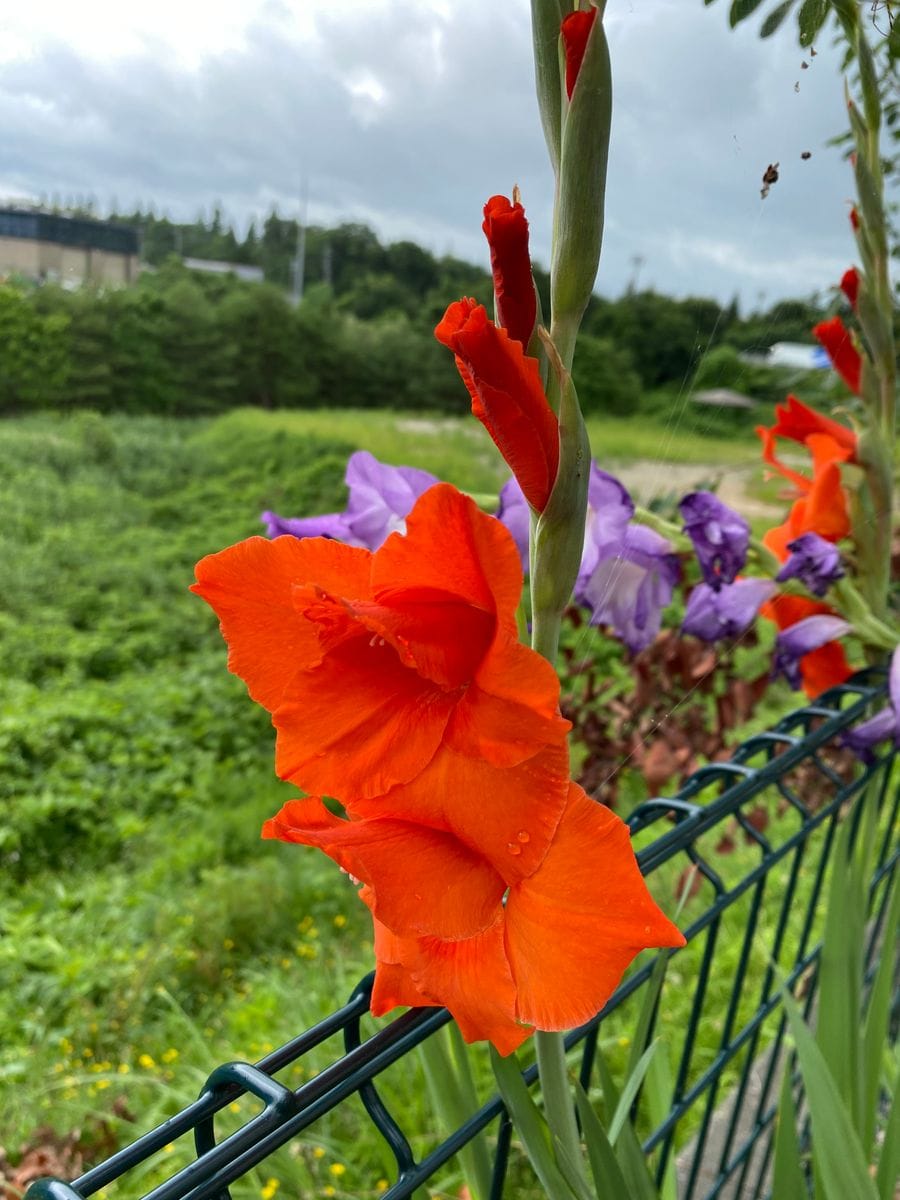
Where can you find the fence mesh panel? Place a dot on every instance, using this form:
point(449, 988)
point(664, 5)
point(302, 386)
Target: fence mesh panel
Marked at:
point(746, 846)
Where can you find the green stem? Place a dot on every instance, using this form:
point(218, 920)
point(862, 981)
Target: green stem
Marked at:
point(453, 1093)
point(559, 1108)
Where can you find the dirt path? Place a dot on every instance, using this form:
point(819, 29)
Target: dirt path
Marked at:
point(650, 479)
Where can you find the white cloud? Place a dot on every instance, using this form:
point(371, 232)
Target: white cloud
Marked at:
point(410, 113)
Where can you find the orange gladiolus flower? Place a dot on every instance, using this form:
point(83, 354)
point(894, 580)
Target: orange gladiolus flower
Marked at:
point(845, 358)
point(822, 668)
point(507, 396)
point(505, 949)
point(373, 663)
point(822, 504)
point(506, 230)
point(576, 29)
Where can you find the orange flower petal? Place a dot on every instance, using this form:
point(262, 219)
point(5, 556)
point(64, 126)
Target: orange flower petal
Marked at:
point(825, 507)
point(508, 815)
point(505, 729)
point(797, 421)
point(421, 880)
point(250, 588)
point(507, 396)
point(767, 436)
point(574, 926)
point(393, 987)
point(359, 723)
point(473, 979)
point(451, 547)
point(824, 668)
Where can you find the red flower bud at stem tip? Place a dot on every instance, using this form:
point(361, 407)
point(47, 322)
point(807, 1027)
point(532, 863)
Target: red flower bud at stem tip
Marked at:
point(850, 286)
point(506, 230)
point(854, 219)
point(845, 358)
point(507, 396)
point(576, 29)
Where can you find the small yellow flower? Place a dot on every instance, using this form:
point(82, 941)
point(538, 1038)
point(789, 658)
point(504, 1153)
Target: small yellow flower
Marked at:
point(337, 1170)
point(234, 1107)
point(228, 944)
point(270, 1188)
point(340, 921)
point(318, 1152)
point(624, 1042)
point(168, 1149)
point(328, 1190)
point(169, 1056)
point(381, 1186)
point(101, 1084)
point(123, 1068)
point(146, 1062)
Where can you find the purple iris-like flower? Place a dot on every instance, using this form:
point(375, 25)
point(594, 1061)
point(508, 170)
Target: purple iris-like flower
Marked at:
point(726, 613)
point(630, 585)
point(720, 536)
point(885, 723)
point(610, 508)
point(801, 638)
point(515, 514)
point(381, 498)
point(814, 561)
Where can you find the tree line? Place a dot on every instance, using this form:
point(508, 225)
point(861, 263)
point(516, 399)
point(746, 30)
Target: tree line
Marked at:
point(185, 342)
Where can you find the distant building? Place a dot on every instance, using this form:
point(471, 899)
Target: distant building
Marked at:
point(797, 354)
point(69, 250)
point(723, 398)
point(248, 274)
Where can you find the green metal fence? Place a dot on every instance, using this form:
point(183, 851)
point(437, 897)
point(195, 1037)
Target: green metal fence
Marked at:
point(748, 843)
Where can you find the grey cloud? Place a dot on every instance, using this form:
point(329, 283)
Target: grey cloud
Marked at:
point(699, 112)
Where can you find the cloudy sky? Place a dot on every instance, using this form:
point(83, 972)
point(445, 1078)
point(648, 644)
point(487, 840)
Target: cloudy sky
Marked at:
point(408, 114)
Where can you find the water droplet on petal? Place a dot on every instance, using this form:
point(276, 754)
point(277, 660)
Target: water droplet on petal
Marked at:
point(524, 836)
point(513, 848)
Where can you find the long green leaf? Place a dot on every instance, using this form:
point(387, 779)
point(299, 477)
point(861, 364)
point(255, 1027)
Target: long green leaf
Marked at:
point(630, 1091)
point(877, 1017)
point(841, 970)
point(607, 1173)
point(628, 1149)
point(648, 1006)
point(787, 1174)
point(530, 1124)
point(448, 1077)
point(839, 1158)
point(775, 19)
point(741, 9)
point(889, 1166)
point(811, 18)
point(659, 1088)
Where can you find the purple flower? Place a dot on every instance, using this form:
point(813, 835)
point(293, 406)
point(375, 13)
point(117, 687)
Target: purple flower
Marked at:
point(381, 497)
point(630, 586)
point(330, 525)
point(885, 723)
point(726, 613)
point(801, 638)
point(610, 508)
point(515, 514)
point(814, 561)
point(720, 536)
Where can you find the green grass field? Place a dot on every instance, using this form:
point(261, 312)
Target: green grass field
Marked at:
point(146, 933)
